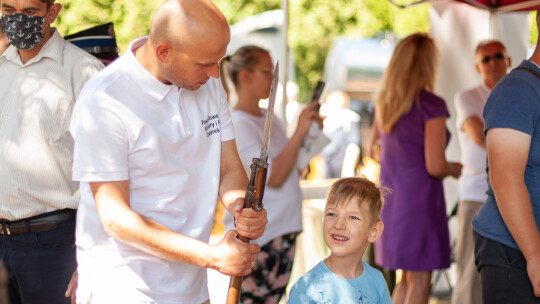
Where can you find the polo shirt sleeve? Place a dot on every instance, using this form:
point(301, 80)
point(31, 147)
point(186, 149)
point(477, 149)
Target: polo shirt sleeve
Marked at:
point(101, 140)
point(512, 105)
point(248, 141)
point(463, 107)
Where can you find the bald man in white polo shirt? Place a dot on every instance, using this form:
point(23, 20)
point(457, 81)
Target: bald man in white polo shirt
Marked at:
point(154, 148)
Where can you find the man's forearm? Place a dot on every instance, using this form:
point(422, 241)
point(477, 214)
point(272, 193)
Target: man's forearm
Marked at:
point(508, 152)
point(233, 186)
point(233, 177)
point(516, 210)
point(124, 224)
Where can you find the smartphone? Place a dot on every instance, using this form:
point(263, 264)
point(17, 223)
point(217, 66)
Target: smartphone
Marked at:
point(319, 88)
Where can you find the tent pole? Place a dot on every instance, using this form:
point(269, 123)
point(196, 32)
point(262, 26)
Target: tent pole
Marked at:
point(285, 30)
point(493, 30)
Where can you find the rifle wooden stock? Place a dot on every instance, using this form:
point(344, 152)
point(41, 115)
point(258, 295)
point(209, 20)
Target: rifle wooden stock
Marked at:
point(253, 199)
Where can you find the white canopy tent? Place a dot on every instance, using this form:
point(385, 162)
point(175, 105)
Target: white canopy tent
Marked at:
point(458, 28)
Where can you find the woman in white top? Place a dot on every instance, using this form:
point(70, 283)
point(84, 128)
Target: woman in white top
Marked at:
point(250, 69)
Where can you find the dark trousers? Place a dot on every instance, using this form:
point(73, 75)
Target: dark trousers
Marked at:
point(503, 273)
point(39, 264)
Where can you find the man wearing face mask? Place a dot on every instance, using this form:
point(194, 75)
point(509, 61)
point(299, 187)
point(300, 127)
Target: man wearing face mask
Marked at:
point(41, 77)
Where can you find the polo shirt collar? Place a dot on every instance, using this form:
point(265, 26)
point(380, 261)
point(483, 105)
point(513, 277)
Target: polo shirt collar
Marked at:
point(146, 81)
point(53, 49)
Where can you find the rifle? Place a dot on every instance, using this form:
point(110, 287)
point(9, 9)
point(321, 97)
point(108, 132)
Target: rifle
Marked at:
point(257, 182)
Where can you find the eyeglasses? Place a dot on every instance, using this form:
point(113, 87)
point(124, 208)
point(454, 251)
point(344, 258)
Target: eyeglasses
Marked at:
point(497, 57)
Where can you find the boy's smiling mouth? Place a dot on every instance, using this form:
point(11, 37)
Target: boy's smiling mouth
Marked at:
point(339, 238)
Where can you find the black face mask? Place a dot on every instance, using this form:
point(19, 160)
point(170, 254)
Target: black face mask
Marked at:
point(23, 31)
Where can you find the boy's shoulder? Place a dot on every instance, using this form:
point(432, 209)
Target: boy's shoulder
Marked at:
point(321, 273)
point(315, 274)
point(372, 273)
point(321, 285)
point(309, 282)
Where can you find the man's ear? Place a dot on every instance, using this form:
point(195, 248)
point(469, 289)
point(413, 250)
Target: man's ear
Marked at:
point(163, 52)
point(375, 231)
point(476, 66)
point(53, 12)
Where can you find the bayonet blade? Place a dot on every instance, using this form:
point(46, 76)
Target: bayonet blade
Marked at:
point(269, 115)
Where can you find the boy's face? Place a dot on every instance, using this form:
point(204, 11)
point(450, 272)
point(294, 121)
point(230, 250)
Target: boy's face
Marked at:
point(348, 228)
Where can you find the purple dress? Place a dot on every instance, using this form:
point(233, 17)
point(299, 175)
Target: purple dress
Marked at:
point(415, 236)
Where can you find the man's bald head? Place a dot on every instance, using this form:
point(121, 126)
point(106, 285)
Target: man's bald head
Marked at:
point(187, 40)
point(188, 23)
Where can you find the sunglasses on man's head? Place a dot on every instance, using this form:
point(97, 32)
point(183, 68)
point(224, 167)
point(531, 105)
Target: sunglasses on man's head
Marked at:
point(498, 57)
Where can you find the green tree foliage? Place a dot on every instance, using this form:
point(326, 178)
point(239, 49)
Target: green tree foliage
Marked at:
point(131, 18)
point(313, 24)
point(534, 30)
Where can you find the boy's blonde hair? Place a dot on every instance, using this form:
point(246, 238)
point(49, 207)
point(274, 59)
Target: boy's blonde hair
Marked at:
point(361, 189)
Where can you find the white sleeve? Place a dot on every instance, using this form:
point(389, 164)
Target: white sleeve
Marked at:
point(85, 69)
point(225, 120)
point(464, 107)
point(248, 141)
point(101, 140)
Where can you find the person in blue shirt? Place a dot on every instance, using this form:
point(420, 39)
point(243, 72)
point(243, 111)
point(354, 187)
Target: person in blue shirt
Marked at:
point(506, 229)
point(351, 222)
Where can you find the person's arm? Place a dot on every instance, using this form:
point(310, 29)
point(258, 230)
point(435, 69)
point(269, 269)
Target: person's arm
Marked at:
point(435, 144)
point(297, 293)
point(352, 153)
point(351, 158)
point(474, 128)
point(230, 256)
point(232, 189)
point(508, 151)
point(72, 287)
point(373, 138)
point(284, 163)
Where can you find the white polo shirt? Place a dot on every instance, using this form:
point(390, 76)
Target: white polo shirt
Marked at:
point(473, 181)
point(166, 141)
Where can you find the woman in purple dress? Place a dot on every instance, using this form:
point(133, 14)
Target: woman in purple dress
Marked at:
point(411, 126)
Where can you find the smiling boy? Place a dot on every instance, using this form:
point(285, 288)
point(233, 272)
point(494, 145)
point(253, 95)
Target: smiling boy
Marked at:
point(351, 221)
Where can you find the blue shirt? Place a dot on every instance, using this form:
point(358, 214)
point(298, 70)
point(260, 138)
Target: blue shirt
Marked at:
point(514, 104)
point(321, 285)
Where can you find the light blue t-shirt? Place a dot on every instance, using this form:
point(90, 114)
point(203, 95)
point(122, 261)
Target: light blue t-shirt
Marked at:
point(515, 104)
point(321, 285)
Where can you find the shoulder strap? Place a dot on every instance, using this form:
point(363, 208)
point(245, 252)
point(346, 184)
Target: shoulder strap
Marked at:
point(535, 73)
